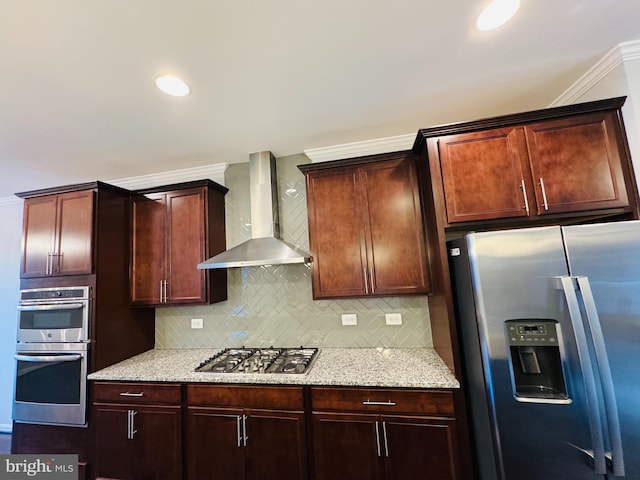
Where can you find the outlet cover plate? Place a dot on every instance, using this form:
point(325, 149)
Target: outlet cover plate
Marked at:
point(393, 318)
point(197, 323)
point(349, 319)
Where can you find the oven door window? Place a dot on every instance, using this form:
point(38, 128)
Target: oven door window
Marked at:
point(48, 378)
point(52, 317)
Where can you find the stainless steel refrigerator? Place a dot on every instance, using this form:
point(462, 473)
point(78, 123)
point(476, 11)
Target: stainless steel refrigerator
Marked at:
point(549, 319)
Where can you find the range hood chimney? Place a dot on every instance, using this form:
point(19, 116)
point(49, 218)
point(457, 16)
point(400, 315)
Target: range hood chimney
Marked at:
point(265, 246)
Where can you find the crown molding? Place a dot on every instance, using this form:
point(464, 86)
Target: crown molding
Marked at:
point(617, 56)
point(360, 149)
point(213, 172)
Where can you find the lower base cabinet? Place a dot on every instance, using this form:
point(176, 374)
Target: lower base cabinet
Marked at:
point(245, 432)
point(415, 440)
point(138, 431)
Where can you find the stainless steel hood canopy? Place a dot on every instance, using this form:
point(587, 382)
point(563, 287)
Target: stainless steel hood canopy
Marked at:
point(265, 246)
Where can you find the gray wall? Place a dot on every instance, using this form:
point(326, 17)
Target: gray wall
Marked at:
point(11, 215)
point(273, 305)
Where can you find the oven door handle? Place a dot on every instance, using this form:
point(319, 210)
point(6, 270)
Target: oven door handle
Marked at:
point(48, 358)
point(56, 306)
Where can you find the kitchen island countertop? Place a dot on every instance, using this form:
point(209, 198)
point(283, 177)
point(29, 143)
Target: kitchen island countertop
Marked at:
point(358, 367)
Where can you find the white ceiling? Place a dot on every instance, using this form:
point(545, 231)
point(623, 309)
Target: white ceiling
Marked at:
point(77, 100)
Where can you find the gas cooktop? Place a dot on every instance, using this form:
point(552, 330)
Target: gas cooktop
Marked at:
point(260, 360)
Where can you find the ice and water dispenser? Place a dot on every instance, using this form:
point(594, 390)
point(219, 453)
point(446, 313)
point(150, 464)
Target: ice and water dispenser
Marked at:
point(536, 365)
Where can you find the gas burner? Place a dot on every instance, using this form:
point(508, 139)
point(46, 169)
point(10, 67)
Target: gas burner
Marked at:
point(260, 360)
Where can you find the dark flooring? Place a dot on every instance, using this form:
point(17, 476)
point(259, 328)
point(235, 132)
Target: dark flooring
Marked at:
point(5, 443)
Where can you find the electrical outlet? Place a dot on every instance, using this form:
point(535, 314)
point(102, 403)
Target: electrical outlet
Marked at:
point(393, 318)
point(349, 319)
point(197, 323)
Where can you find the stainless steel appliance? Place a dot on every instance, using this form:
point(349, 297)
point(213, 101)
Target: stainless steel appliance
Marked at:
point(52, 356)
point(260, 360)
point(51, 383)
point(54, 315)
point(550, 330)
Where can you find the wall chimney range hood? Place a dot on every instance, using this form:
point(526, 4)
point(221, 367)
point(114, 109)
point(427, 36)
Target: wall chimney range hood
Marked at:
point(265, 246)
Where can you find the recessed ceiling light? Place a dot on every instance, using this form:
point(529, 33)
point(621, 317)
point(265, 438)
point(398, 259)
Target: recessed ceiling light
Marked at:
point(497, 13)
point(172, 85)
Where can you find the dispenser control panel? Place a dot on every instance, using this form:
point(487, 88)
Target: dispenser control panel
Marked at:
point(533, 333)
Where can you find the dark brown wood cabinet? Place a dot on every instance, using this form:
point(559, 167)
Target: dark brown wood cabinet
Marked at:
point(175, 228)
point(58, 234)
point(366, 231)
point(573, 164)
point(245, 432)
point(138, 431)
point(367, 434)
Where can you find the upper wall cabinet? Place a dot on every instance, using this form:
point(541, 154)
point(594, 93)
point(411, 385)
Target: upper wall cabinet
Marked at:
point(61, 227)
point(555, 163)
point(57, 235)
point(366, 232)
point(175, 228)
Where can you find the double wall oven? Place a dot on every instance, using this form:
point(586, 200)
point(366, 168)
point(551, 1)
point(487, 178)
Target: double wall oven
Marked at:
point(51, 356)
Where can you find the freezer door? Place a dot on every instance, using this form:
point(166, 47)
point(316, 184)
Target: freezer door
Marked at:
point(513, 276)
point(608, 256)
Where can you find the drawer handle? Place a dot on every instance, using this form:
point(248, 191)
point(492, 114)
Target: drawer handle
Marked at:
point(388, 403)
point(131, 394)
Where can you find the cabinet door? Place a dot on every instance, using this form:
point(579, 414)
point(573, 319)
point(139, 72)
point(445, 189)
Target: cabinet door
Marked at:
point(153, 452)
point(186, 246)
point(576, 164)
point(276, 446)
point(397, 261)
point(157, 443)
point(347, 446)
point(419, 448)
point(74, 239)
point(483, 175)
point(336, 234)
point(39, 228)
point(215, 444)
point(148, 249)
point(112, 447)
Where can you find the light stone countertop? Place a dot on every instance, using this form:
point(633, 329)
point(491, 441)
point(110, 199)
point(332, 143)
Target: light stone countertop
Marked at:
point(366, 367)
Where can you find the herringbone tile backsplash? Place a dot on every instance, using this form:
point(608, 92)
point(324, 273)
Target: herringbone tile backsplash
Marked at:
point(273, 305)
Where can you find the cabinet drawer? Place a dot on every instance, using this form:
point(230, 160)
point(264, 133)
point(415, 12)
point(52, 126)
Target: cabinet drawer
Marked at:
point(134, 392)
point(375, 400)
point(286, 398)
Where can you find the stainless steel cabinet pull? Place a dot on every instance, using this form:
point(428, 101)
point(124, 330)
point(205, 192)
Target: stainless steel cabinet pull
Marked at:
point(544, 194)
point(163, 291)
point(524, 193)
point(597, 435)
point(238, 427)
point(388, 403)
point(131, 431)
point(608, 392)
point(132, 394)
point(366, 280)
point(372, 279)
point(244, 429)
point(378, 438)
point(386, 443)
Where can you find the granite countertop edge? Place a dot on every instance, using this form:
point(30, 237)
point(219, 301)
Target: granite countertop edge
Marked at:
point(357, 367)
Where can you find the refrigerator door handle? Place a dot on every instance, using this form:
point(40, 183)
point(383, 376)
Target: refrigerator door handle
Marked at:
point(608, 392)
point(595, 421)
